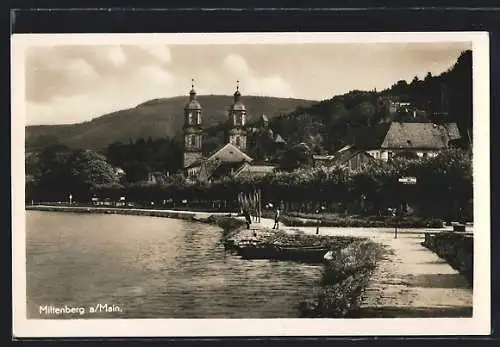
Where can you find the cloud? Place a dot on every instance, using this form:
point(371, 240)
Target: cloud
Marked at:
point(114, 55)
point(153, 74)
point(51, 73)
point(73, 83)
point(80, 70)
point(252, 83)
point(236, 65)
point(67, 109)
point(159, 52)
point(274, 85)
point(102, 94)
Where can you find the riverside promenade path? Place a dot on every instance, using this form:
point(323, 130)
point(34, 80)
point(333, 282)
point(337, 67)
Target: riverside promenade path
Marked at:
point(411, 281)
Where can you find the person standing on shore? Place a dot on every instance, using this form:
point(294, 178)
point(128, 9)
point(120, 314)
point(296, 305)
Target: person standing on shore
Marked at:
point(277, 219)
point(248, 218)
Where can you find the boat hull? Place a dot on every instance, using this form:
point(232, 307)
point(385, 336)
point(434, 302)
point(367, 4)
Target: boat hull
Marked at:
point(313, 255)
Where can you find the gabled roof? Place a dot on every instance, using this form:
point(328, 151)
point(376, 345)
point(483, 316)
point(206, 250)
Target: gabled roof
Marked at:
point(398, 135)
point(230, 153)
point(341, 156)
point(248, 169)
point(323, 157)
point(222, 162)
point(346, 153)
point(279, 139)
point(416, 136)
point(220, 169)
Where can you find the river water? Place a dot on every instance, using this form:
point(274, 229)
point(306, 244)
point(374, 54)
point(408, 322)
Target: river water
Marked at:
point(149, 267)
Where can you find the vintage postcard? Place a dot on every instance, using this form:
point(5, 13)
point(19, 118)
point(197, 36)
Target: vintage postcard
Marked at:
point(256, 184)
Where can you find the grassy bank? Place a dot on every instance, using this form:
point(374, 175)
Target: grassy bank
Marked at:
point(343, 281)
point(296, 219)
point(456, 248)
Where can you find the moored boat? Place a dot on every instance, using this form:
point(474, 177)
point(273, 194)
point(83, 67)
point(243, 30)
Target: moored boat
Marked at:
point(307, 254)
point(257, 252)
point(274, 252)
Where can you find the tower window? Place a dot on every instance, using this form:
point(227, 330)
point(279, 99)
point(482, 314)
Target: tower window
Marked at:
point(190, 118)
point(237, 119)
point(192, 140)
point(238, 142)
point(199, 117)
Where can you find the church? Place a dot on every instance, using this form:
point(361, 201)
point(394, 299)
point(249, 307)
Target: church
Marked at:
point(230, 160)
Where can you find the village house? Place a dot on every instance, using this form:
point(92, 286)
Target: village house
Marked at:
point(348, 156)
point(383, 141)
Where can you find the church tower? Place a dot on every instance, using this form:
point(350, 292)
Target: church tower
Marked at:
point(193, 132)
point(237, 121)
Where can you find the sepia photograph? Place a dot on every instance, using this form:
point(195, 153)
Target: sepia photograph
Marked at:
point(317, 184)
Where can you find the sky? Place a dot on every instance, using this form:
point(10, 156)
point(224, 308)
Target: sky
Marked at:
point(75, 83)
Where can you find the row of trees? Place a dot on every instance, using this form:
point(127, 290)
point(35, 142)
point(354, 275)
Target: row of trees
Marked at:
point(142, 157)
point(443, 183)
point(58, 171)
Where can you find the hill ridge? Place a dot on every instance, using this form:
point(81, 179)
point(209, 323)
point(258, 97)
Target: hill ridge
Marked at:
point(155, 118)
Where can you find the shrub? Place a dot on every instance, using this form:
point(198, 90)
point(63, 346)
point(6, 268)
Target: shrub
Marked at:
point(344, 278)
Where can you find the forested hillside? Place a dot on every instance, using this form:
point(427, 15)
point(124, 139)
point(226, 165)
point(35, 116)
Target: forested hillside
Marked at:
point(157, 119)
point(324, 124)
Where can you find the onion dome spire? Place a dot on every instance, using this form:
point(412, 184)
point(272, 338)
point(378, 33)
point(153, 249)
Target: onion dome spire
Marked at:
point(237, 93)
point(192, 93)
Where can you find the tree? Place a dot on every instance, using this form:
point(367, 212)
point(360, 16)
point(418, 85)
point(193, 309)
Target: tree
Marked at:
point(460, 88)
point(298, 156)
point(88, 171)
point(365, 113)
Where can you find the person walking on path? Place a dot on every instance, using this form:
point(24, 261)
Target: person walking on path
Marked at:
point(248, 218)
point(277, 219)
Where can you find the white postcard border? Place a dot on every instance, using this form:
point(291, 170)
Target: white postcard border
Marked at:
point(479, 324)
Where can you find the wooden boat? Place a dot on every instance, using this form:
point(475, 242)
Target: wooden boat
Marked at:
point(305, 254)
point(232, 245)
point(274, 252)
point(257, 251)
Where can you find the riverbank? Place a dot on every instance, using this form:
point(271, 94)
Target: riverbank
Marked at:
point(289, 219)
point(227, 221)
